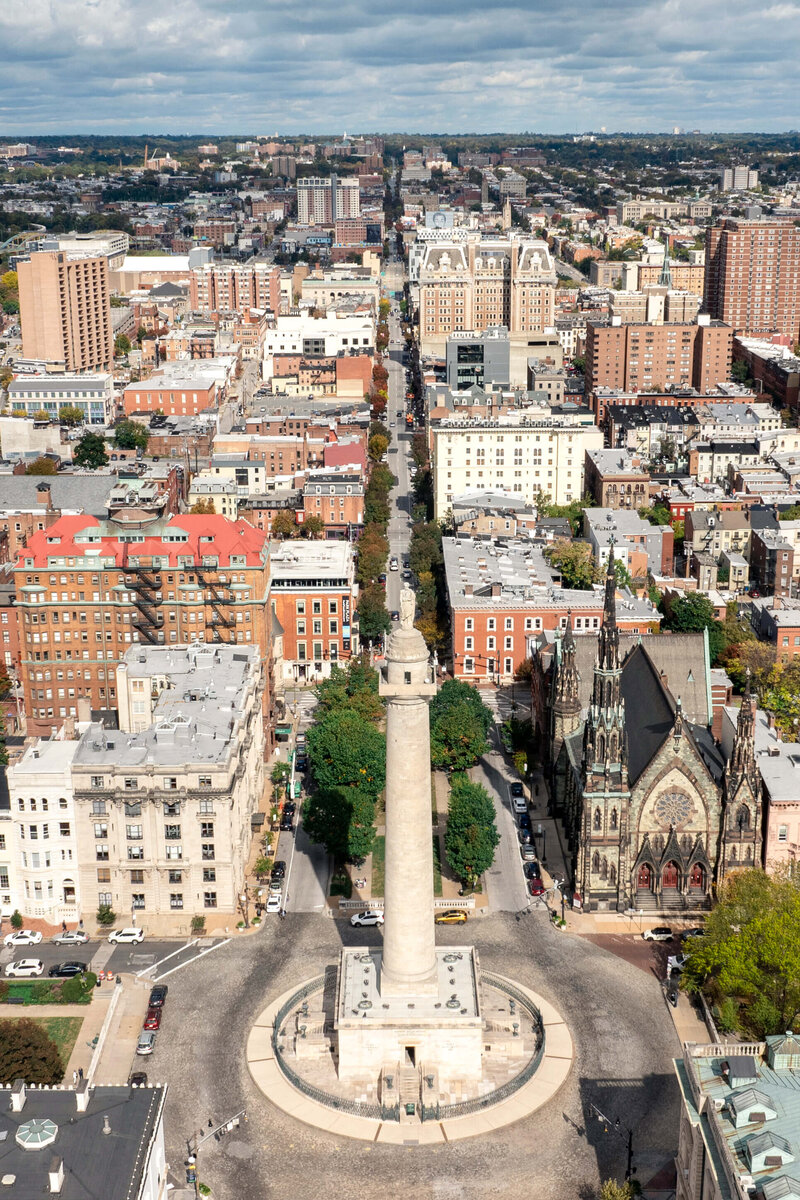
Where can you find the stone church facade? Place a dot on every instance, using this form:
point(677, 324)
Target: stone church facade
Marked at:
point(654, 817)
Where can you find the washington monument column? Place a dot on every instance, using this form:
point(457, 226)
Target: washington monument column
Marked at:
point(407, 685)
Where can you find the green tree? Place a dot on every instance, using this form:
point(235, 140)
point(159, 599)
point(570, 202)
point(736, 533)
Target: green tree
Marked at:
point(131, 435)
point(658, 514)
point(622, 575)
point(90, 452)
point(312, 527)
point(41, 466)
point(203, 507)
point(751, 948)
point(378, 445)
point(373, 618)
point(16, 919)
point(694, 613)
point(611, 1190)
point(71, 415)
point(344, 750)
point(27, 1052)
point(373, 550)
point(283, 524)
point(471, 836)
point(354, 687)
point(460, 724)
point(106, 915)
point(342, 819)
point(122, 344)
point(574, 561)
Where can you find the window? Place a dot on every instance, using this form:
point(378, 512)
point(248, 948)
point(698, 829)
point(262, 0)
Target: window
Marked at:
point(134, 809)
point(170, 783)
point(204, 781)
point(491, 623)
point(205, 806)
point(101, 853)
point(468, 643)
point(174, 852)
point(172, 833)
point(469, 623)
point(97, 781)
point(175, 876)
point(207, 850)
point(104, 875)
point(172, 809)
point(783, 833)
point(137, 900)
point(100, 829)
point(206, 829)
point(133, 833)
point(209, 875)
point(130, 784)
point(135, 853)
point(104, 899)
point(176, 899)
point(64, 829)
point(509, 643)
point(209, 899)
point(509, 623)
point(598, 819)
point(98, 808)
point(137, 876)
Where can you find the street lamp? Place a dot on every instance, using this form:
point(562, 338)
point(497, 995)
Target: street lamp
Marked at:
point(621, 1131)
point(244, 907)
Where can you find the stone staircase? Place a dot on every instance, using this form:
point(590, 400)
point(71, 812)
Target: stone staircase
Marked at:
point(408, 1089)
point(671, 901)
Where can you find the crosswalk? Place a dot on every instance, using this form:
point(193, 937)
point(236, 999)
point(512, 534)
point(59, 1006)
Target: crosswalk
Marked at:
point(304, 702)
point(501, 703)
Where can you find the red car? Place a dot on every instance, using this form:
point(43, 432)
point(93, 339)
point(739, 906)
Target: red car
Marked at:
point(153, 1019)
point(535, 886)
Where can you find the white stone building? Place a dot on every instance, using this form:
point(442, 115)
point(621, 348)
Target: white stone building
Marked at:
point(538, 450)
point(163, 804)
point(41, 844)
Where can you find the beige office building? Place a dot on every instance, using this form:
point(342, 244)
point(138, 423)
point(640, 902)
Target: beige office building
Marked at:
point(65, 311)
point(480, 284)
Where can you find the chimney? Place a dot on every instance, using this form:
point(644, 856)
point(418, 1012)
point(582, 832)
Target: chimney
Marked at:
point(82, 1095)
point(467, 589)
point(18, 1092)
point(776, 602)
point(106, 1125)
point(55, 1175)
point(44, 496)
point(497, 589)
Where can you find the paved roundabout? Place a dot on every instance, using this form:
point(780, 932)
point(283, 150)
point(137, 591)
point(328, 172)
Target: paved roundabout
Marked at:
point(538, 1083)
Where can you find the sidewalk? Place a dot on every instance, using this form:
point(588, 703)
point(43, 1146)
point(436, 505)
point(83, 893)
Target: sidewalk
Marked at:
point(119, 1052)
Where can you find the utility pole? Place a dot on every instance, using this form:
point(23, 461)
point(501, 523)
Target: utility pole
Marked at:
point(194, 1143)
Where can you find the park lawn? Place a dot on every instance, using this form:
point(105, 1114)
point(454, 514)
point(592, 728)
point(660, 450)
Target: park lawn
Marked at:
point(379, 866)
point(64, 1031)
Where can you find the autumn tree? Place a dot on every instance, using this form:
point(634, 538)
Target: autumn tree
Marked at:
point(70, 414)
point(313, 526)
point(203, 507)
point(283, 524)
point(575, 562)
point(27, 1052)
point(41, 466)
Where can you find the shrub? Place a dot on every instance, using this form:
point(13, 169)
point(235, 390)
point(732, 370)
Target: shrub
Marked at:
point(106, 915)
point(198, 924)
point(726, 1016)
point(763, 1017)
point(72, 990)
point(16, 919)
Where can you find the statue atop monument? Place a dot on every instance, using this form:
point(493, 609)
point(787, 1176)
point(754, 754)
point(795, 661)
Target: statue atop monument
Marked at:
point(408, 608)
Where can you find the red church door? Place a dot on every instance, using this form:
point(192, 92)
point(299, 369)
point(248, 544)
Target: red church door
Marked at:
point(669, 876)
point(697, 879)
point(645, 879)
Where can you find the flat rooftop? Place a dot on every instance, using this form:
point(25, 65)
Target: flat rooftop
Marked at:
point(360, 989)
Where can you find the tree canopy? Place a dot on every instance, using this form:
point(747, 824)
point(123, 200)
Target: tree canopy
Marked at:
point(27, 1052)
point(342, 819)
point(373, 618)
point(41, 466)
point(471, 836)
point(345, 750)
point(575, 562)
point(354, 687)
point(90, 452)
point(751, 950)
point(460, 723)
point(131, 435)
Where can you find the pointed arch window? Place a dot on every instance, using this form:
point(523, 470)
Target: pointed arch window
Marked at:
point(598, 819)
point(604, 869)
point(612, 875)
point(614, 818)
point(743, 818)
point(596, 862)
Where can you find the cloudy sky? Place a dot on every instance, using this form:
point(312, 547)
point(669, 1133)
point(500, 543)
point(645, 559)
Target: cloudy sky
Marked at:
point(267, 66)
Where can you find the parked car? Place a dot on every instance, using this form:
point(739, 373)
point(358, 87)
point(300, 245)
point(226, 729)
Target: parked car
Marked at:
point(287, 823)
point(73, 937)
point(67, 970)
point(688, 935)
point(300, 742)
point(451, 916)
point(274, 902)
point(278, 870)
point(131, 935)
point(536, 887)
point(524, 822)
point(517, 789)
point(23, 937)
point(24, 968)
point(275, 887)
point(676, 963)
point(524, 836)
point(138, 1079)
point(394, 565)
point(395, 615)
point(301, 761)
point(147, 1041)
point(407, 576)
point(158, 995)
point(528, 852)
point(659, 933)
point(153, 1018)
point(532, 870)
point(382, 579)
point(370, 917)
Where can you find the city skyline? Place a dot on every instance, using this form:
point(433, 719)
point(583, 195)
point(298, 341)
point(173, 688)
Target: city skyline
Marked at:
point(82, 66)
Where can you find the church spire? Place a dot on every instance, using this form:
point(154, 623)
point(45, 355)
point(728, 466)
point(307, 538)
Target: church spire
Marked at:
point(742, 760)
point(608, 643)
point(567, 681)
point(665, 278)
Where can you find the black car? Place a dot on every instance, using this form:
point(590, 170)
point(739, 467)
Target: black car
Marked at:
point(278, 870)
point(138, 1078)
point(158, 995)
point(301, 761)
point(532, 870)
point(516, 789)
point(289, 807)
point(525, 822)
point(66, 970)
point(287, 821)
point(525, 836)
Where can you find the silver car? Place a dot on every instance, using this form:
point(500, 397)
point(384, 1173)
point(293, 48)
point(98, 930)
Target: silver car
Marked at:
point(146, 1043)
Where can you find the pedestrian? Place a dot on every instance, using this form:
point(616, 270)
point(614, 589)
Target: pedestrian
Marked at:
point(80, 923)
point(63, 926)
point(80, 1073)
point(74, 1078)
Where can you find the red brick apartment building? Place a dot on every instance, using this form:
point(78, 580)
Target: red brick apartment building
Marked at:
point(87, 590)
point(753, 275)
point(641, 356)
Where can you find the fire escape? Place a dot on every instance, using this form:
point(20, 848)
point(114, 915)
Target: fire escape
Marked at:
point(216, 593)
point(145, 584)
